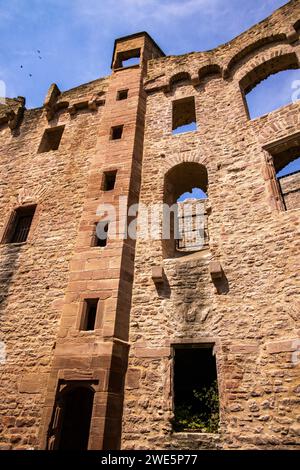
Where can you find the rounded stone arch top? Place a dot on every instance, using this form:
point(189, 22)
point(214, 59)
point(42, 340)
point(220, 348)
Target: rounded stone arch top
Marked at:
point(178, 77)
point(31, 196)
point(275, 59)
point(184, 157)
point(253, 48)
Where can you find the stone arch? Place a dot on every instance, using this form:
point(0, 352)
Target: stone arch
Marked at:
point(254, 47)
point(184, 227)
point(173, 160)
point(178, 78)
point(267, 65)
point(28, 195)
point(183, 177)
point(210, 71)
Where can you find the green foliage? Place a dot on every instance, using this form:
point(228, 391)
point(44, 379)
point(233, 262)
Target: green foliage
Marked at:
point(202, 415)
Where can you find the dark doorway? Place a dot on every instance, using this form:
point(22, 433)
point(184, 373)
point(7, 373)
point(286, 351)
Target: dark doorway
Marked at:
point(196, 400)
point(77, 405)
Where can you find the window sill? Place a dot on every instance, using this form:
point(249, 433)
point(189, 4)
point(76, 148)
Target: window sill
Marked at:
point(205, 252)
point(184, 133)
point(195, 433)
point(136, 66)
point(15, 244)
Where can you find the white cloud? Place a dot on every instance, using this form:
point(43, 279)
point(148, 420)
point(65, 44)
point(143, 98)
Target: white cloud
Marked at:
point(143, 10)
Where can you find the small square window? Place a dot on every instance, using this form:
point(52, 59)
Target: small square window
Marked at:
point(19, 225)
point(100, 234)
point(184, 115)
point(51, 139)
point(122, 95)
point(109, 180)
point(88, 320)
point(116, 132)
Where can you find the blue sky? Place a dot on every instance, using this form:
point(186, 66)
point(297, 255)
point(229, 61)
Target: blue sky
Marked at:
point(76, 37)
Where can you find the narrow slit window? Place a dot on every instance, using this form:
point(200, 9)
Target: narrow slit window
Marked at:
point(116, 132)
point(196, 398)
point(51, 139)
point(101, 234)
point(122, 95)
point(89, 314)
point(19, 225)
point(109, 180)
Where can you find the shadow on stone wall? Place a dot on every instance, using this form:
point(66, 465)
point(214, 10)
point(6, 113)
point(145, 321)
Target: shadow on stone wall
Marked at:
point(163, 289)
point(8, 261)
point(222, 284)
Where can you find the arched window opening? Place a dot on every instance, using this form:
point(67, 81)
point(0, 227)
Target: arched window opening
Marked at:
point(181, 78)
point(272, 93)
point(70, 425)
point(185, 224)
point(271, 85)
point(285, 160)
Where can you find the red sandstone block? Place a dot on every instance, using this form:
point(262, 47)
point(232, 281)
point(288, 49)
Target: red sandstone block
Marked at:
point(152, 352)
point(287, 345)
point(102, 284)
point(106, 273)
point(244, 348)
point(133, 377)
point(76, 286)
point(32, 383)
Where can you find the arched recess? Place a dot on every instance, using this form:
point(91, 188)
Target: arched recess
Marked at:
point(179, 78)
point(210, 71)
point(184, 223)
point(272, 66)
point(71, 420)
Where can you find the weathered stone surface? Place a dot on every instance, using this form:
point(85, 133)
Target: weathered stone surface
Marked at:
point(254, 324)
point(32, 383)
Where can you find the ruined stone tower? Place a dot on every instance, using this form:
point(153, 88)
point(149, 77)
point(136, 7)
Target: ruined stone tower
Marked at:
point(104, 334)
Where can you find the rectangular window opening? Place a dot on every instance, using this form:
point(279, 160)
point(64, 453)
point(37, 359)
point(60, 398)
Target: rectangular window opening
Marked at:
point(195, 389)
point(89, 314)
point(116, 132)
point(128, 58)
point(184, 115)
point(192, 225)
point(285, 156)
point(109, 180)
point(100, 234)
point(122, 95)
point(51, 139)
point(19, 225)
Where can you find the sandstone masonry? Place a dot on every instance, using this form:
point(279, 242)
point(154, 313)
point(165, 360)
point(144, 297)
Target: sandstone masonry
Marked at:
point(239, 293)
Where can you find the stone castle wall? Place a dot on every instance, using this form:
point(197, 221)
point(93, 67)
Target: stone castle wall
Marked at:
point(34, 275)
point(250, 314)
point(252, 317)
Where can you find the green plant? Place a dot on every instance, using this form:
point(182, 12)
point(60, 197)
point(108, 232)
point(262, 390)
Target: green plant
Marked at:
point(201, 413)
